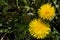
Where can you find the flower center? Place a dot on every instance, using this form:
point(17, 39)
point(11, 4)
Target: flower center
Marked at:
point(46, 12)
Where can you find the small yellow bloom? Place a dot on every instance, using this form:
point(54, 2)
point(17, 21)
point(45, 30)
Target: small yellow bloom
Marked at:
point(38, 29)
point(46, 11)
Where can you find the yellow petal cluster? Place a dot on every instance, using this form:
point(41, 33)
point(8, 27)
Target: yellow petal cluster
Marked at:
point(38, 29)
point(46, 11)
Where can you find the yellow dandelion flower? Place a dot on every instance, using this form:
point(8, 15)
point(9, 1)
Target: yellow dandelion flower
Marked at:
point(38, 29)
point(46, 11)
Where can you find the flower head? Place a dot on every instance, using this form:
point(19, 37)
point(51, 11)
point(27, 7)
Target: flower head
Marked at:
point(46, 11)
point(39, 29)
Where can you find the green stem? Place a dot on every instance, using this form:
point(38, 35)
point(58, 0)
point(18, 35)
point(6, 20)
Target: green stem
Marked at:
point(17, 3)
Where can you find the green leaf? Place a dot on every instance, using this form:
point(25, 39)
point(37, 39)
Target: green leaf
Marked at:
point(2, 2)
point(22, 31)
